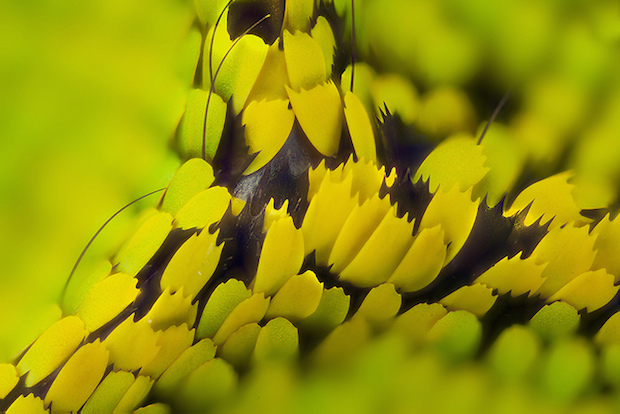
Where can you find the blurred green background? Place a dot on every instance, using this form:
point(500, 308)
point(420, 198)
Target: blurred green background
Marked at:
point(91, 93)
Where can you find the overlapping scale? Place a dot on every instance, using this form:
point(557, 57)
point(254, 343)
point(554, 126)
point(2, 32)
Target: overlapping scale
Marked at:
point(390, 240)
point(182, 366)
point(139, 249)
point(319, 112)
point(250, 310)
point(173, 341)
point(109, 392)
point(107, 299)
point(298, 298)
point(193, 129)
point(476, 298)
point(240, 69)
point(186, 273)
point(78, 378)
point(205, 208)
point(132, 345)
point(192, 177)
point(283, 240)
point(223, 300)
point(8, 379)
point(172, 309)
point(51, 349)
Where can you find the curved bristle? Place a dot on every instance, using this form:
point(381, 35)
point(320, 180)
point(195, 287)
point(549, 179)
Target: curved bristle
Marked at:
point(217, 71)
point(352, 43)
point(217, 22)
point(494, 115)
point(92, 239)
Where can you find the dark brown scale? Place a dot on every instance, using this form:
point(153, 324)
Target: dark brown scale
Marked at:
point(507, 311)
point(343, 53)
point(400, 146)
point(38, 390)
point(524, 238)
point(493, 237)
point(283, 178)
point(244, 13)
point(411, 199)
point(310, 340)
point(591, 323)
point(149, 278)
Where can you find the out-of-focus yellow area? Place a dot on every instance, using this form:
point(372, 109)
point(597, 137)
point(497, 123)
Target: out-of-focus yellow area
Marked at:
point(91, 93)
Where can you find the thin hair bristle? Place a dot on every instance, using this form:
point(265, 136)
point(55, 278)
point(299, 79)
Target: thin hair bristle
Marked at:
point(217, 71)
point(217, 22)
point(352, 43)
point(494, 115)
point(92, 239)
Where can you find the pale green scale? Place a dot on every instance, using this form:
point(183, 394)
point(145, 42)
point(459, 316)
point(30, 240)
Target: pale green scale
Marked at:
point(346, 340)
point(136, 393)
point(609, 364)
point(208, 384)
point(172, 342)
point(109, 392)
point(138, 250)
point(191, 178)
point(239, 346)
point(515, 353)
point(380, 305)
point(107, 299)
point(568, 369)
point(555, 321)
point(331, 312)
point(298, 298)
point(457, 335)
point(205, 208)
point(222, 301)
point(251, 310)
point(189, 360)
point(51, 349)
point(193, 125)
point(157, 408)
point(278, 340)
